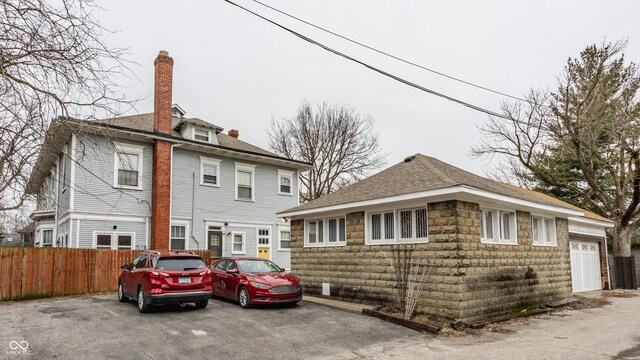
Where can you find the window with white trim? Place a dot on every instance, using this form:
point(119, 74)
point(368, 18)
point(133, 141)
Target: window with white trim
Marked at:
point(543, 230)
point(201, 135)
point(47, 238)
point(237, 243)
point(128, 166)
point(498, 226)
point(263, 237)
point(285, 240)
point(326, 232)
point(245, 182)
point(178, 239)
point(382, 226)
point(114, 240)
point(209, 171)
point(394, 226)
point(285, 182)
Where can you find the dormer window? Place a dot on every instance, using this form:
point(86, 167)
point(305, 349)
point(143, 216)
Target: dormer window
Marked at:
point(201, 135)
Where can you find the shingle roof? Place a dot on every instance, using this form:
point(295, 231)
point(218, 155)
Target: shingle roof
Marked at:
point(144, 122)
point(423, 173)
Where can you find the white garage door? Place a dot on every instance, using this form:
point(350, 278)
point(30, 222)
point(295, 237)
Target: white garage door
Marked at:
point(585, 266)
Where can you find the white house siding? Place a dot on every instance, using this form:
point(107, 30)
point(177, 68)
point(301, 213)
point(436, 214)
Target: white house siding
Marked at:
point(88, 227)
point(63, 229)
point(219, 204)
point(94, 179)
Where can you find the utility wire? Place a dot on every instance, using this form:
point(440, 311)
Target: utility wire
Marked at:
point(391, 55)
point(371, 67)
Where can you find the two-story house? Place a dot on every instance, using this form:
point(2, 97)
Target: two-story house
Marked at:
point(162, 180)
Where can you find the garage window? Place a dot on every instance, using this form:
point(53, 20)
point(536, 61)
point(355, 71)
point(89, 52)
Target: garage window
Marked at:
point(543, 230)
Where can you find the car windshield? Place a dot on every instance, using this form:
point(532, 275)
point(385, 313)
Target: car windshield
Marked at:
point(257, 266)
point(178, 263)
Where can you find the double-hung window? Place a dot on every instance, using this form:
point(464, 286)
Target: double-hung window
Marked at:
point(209, 171)
point(326, 232)
point(245, 182)
point(238, 243)
point(47, 238)
point(498, 226)
point(543, 230)
point(128, 166)
point(201, 135)
point(285, 182)
point(178, 237)
point(285, 240)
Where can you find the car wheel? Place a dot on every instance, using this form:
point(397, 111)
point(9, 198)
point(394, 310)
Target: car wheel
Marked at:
point(143, 307)
point(121, 296)
point(202, 304)
point(243, 298)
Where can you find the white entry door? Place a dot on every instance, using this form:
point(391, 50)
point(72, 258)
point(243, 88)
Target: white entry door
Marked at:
point(585, 266)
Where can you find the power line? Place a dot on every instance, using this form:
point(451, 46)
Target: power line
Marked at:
point(371, 67)
point(391, 55)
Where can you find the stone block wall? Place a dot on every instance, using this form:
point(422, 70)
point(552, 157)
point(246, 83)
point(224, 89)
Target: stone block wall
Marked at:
point(470, 280)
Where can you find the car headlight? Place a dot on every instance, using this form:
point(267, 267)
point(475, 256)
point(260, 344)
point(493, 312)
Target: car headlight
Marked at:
point(258, 285)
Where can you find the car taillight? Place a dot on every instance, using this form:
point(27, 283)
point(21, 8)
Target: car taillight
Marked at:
point(157, 274)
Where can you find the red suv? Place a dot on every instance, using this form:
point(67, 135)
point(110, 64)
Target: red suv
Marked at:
point(155, 277)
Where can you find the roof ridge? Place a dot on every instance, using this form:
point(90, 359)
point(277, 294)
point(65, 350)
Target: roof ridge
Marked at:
point(439, 174)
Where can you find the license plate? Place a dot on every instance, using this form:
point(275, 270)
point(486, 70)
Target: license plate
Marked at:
point(184, 280)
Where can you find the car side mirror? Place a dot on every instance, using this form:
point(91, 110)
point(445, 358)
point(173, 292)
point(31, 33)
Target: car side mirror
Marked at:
point(282, 270)
point(232, 271)
point(124, 266)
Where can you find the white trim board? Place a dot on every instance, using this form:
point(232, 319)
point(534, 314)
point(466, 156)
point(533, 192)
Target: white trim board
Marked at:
point(459, 192)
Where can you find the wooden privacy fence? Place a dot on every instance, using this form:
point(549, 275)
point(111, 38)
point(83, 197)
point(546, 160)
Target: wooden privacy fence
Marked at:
point(27, 273)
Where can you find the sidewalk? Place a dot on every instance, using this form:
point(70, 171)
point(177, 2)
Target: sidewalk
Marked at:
point(342, 305)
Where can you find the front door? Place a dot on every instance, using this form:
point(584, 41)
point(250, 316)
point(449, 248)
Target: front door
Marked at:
point(214, 238)
point(264, 244)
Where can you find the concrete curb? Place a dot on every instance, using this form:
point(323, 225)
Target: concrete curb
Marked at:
point(342, 305)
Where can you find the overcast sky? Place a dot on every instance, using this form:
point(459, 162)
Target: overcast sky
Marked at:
point(238, 71)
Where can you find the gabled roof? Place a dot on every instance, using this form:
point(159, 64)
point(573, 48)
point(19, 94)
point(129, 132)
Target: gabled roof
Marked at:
point(142, 126)
point(422, 174)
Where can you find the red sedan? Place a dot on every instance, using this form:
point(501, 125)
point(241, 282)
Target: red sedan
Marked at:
point(253, 281)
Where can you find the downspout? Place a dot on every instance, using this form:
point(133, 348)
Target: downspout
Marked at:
point(171, 193)
point(193, 209)
point(606, 256)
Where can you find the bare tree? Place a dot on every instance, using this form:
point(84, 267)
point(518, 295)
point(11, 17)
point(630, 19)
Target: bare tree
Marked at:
point(581, 143)
point(53, 63)
point(339, 142)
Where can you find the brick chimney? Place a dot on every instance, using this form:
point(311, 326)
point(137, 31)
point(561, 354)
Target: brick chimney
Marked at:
point(161, 178)
point(162, 103)
point(234, 133)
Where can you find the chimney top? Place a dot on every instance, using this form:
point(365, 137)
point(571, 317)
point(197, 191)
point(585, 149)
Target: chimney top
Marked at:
point(163, 53)
point(234, 133)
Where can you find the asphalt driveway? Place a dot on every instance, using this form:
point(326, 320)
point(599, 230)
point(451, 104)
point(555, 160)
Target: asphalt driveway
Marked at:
point(101, 327)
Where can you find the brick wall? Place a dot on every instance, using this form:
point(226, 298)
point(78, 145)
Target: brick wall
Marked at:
point(470, 280)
